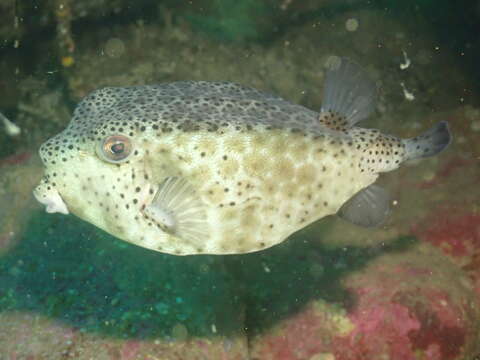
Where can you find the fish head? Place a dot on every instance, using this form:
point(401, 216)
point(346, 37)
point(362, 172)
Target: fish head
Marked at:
point(100, 170)
point(90, 178)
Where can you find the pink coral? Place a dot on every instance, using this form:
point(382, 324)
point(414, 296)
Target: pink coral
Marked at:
point(129, 350)
point(456, 233)
point(406, 306)
point(383, 327)
point(299, 338)
point(408, 315)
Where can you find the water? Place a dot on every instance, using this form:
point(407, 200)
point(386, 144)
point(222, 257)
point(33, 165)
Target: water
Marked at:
point(408, 290)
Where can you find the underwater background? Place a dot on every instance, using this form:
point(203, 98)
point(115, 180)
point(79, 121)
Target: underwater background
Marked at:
point(332, 291)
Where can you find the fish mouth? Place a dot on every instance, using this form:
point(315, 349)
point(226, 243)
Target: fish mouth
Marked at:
point(51, 198)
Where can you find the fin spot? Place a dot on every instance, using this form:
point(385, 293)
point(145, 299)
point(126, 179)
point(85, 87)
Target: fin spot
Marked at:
point(349, 94)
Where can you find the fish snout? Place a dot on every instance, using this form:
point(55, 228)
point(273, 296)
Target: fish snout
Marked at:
point(50, 197)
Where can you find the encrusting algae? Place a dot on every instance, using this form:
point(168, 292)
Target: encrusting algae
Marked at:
point(195, 167)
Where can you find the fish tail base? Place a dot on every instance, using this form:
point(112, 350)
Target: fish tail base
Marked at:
point(430, 143)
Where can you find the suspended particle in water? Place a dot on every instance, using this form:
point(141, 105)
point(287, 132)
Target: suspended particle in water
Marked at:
point(351, 25)
point(179, 332)
point(114, 48)
point(10, 128)
point(332, 62)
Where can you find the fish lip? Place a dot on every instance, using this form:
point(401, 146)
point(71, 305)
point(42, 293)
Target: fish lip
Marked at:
point(51, 199)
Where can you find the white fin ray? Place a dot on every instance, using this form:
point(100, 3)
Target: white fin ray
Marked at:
point(178, 210)
point(349, 93)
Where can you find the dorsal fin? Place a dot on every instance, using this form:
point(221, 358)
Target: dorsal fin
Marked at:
point(349, 95)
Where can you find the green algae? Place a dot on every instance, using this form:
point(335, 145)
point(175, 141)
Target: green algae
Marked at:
point(232, 20)
point(71, 271)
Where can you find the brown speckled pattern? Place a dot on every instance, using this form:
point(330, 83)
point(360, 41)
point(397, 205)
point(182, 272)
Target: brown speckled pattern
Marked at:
point(262, 167)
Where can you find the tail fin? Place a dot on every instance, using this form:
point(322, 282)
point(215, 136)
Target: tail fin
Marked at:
point(430, 143)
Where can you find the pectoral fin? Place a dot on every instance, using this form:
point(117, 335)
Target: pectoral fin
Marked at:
point(369, 207)
point(179, 211)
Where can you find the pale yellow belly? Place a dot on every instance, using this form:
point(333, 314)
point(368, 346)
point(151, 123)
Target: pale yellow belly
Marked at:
point(279, 183)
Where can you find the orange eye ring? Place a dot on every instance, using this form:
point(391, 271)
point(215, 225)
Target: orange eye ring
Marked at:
point(115, 149)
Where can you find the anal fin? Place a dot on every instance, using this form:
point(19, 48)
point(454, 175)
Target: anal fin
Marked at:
point(179, 211)
point(369, 207)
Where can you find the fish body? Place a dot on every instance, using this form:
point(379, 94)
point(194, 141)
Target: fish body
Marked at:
point(219, 168)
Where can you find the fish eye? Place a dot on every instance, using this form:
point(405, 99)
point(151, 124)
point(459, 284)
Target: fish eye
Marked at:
point(115, 148)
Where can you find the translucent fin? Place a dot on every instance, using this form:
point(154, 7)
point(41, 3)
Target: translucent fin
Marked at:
point(369, 207)
point(429, 143)
point(178, 210)
point(349, 94)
